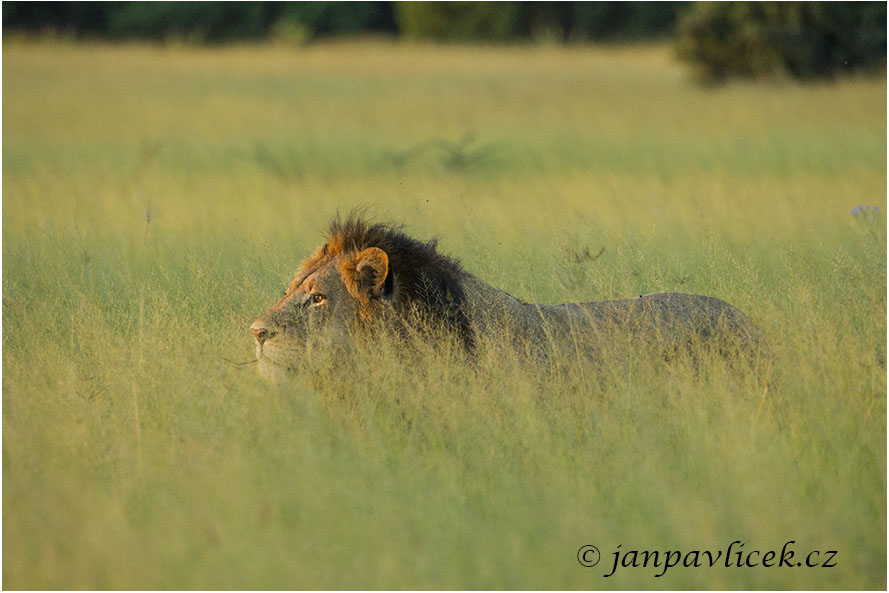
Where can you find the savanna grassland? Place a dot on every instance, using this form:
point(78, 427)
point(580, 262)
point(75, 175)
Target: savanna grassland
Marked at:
point(157, 199)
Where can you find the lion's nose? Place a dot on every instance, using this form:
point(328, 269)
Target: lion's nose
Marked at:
point(261, 332)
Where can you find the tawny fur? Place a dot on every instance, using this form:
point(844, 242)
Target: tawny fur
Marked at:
point(374, 272)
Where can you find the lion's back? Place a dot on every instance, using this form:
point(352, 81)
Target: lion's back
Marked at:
point(665, 319)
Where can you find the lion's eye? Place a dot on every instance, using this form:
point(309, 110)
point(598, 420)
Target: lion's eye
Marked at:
point(317, 298)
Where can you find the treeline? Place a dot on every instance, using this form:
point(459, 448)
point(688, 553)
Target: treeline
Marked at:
point(722, 39)
point(219, 22)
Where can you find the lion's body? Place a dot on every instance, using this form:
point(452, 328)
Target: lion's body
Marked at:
point(667, 319)
point(371, 275)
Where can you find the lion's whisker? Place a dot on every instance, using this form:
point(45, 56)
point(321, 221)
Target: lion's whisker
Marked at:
point(240, 363)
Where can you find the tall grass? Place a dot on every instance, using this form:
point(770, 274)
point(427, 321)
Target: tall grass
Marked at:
point(156, 200)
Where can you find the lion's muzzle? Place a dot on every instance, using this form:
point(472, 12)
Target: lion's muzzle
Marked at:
point(261, 332)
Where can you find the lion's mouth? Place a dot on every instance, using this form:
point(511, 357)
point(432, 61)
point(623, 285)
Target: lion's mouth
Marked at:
point(271, 349)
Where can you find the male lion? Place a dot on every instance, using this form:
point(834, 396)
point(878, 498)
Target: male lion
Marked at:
point(369, 276)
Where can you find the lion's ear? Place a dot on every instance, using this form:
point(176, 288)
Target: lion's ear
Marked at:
point(369, 272)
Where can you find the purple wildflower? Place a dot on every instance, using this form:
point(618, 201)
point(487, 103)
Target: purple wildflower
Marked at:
point(866, 212)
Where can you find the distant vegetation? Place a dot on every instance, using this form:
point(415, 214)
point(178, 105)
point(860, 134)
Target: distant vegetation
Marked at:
point(721, 40)
point(802, 39)
point(216, 22)
point(557, 21)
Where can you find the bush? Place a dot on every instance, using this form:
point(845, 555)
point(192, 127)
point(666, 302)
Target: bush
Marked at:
point(69, 18)
point(457, 21)
point(563, 21)
point(198, 22)
point(322, 19)
point(610, 21)
point(799, 39)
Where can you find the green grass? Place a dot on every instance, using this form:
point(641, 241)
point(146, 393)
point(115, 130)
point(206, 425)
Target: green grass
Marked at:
point(156, 200)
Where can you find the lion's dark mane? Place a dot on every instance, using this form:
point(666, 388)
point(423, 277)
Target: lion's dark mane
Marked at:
point(420, 279)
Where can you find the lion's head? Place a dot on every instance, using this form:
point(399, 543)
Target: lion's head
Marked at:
point(365, 275)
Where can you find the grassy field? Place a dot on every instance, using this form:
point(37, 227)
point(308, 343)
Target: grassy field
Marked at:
point(156, 200)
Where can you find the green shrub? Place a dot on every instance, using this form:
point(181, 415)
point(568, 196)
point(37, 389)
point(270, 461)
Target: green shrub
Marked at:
point(195, 21)
point(321, 19)
point(607, 21)
point(799, 39)
point(563, 21)
point(457, 21)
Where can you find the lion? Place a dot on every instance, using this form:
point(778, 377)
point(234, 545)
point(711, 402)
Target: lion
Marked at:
point(369, 276)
